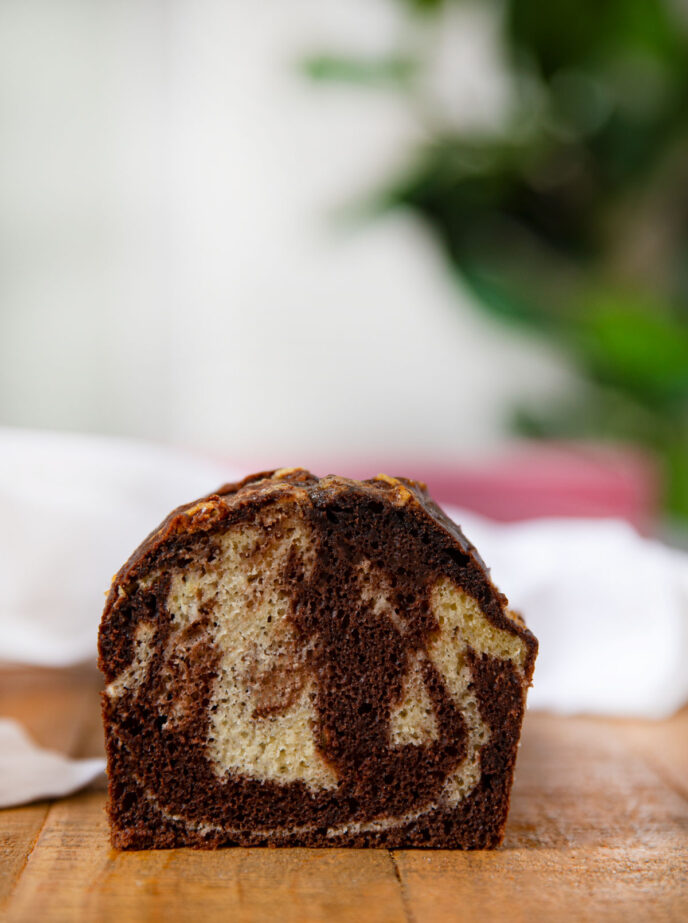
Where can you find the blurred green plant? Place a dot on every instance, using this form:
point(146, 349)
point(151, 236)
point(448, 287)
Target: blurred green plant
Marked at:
point(571, 218)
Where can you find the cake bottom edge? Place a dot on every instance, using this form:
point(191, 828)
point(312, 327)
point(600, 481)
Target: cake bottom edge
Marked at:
point(474, 824)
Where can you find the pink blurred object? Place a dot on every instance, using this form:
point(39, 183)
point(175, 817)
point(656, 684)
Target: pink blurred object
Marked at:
point(545, 481)
point(528, 482)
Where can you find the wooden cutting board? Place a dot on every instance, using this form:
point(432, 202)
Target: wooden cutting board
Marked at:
point(598, 830)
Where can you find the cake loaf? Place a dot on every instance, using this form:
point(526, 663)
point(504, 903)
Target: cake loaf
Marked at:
point(295, 661)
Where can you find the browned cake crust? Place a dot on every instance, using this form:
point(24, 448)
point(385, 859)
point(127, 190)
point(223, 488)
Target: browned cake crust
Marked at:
point(347, 657)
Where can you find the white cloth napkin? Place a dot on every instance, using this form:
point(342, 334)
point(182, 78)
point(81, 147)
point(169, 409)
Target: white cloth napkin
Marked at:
point(29, 772)
point(72, 510)
point(609, 607)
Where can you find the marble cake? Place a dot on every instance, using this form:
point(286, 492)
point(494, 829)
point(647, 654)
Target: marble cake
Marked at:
point(317, 662)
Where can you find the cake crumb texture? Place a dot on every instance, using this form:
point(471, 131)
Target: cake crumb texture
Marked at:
point(305, 661)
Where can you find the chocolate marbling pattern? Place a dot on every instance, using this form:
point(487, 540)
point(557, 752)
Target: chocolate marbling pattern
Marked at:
point(164, 790)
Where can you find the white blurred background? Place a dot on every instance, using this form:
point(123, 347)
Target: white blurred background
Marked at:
point(184, 259)
point(172, 265)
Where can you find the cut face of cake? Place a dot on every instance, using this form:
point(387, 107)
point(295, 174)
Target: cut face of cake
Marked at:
point(317, 662)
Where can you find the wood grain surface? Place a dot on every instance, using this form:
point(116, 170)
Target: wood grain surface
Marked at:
point(598, 830)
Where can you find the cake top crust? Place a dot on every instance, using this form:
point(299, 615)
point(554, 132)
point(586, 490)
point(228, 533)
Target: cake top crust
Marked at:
point(297, 487)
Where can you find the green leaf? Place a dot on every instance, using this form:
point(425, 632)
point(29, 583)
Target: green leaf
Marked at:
point(637, 344)
point(395, 70)
point(579, 33)
point(503, 298)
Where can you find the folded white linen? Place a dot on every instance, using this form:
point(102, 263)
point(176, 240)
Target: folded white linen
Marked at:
point(29, 772)
point(610, 608)
point(72, 509)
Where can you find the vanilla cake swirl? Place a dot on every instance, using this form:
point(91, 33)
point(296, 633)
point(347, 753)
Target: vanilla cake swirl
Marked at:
point(316, 662)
